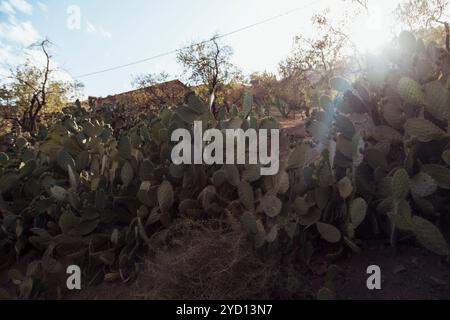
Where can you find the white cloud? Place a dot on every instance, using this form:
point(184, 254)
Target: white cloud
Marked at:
point(42, 6)
point(8, 56)
point(7, 8)
point(22, 5)
point(10, 7)
point(11, 57)
point(16, 36)
point(44, 9)
point(19, 32)
point(4, 73)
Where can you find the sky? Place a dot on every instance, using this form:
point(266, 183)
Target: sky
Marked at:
point(91, 35)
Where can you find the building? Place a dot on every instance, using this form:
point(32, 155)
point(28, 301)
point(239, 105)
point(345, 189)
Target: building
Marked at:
point(162, 95)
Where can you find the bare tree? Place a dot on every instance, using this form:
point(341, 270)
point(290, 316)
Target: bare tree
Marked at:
point(313, 61)
point(31, 91)
point(420, 14)
point(362, 3)
point(208, 63)
point(33, 84)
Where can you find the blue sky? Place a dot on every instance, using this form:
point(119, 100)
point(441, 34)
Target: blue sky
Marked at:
point(114, 32)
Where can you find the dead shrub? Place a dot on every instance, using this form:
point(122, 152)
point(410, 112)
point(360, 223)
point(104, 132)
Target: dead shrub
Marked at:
point(201, 260)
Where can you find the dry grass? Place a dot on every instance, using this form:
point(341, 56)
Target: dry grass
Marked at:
point(194, 260)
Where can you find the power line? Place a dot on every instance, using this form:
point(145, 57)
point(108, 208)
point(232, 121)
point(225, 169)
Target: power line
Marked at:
point(199, 43)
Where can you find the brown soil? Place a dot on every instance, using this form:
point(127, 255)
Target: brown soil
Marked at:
point(406, 273)
point(202, 270)
point(290, 122)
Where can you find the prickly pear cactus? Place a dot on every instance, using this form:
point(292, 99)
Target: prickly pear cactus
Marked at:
point(389, 153)
point(94, 188)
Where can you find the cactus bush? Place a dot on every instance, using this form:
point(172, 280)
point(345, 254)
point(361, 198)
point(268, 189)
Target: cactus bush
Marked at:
point(388, 145)
point(92, 189)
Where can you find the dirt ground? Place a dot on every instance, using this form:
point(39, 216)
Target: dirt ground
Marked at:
point(407, 273)
point(199, 264)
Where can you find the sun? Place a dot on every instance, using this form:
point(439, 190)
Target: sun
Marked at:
point(372, 30)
